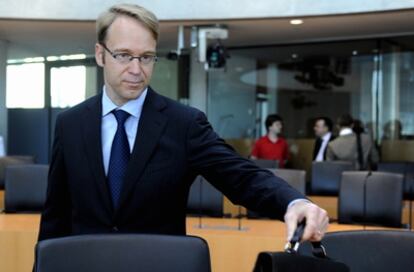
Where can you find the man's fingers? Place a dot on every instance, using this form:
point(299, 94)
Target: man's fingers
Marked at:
point(311, 227)
point(317, 221)
point(291, 221)
point(316, 224)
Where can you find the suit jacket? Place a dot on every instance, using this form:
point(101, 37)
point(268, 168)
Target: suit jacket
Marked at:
point(345, 148)
point(174, 143)
point(318, 144)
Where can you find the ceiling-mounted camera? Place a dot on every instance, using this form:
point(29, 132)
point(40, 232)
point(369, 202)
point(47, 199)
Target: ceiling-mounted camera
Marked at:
point(213, 55)
point(216, 55)
point(172, 55)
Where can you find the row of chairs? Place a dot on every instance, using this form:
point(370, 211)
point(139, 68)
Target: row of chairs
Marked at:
point(364, 197)
point(326, 176)
point(361, 251)
point(26, 186)
point(373, 198)
point(205, 200)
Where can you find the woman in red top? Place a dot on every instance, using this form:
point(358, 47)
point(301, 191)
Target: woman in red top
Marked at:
point(272, 146)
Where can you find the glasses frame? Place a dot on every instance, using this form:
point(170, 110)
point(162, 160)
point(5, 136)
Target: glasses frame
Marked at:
point(130, 58)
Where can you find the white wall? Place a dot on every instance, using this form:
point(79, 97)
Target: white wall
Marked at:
point(196, 9)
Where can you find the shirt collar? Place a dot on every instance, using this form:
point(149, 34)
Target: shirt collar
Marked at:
point(133, 107)
point(345, 131)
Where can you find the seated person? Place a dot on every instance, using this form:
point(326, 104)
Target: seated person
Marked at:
point(272, 146)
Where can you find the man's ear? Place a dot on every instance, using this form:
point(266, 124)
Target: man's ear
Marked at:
point(99, 55)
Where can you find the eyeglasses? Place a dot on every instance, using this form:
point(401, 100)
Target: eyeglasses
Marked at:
point(125, 58)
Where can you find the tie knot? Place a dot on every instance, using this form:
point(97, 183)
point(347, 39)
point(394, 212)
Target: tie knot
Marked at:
point(120, 116)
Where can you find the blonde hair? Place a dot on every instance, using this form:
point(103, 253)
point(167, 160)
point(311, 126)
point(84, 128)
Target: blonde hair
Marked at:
point(142, 15)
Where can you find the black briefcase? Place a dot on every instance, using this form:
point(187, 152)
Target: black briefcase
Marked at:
point(291, 261)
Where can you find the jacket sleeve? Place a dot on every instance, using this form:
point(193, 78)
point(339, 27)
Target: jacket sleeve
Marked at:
point(238, 178)
point(56, 215)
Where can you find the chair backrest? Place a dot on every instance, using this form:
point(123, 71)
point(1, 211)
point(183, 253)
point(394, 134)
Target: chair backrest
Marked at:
point(295, 178)
point(204, 199)
point(404, 168)
point(25, 188)
point(371, 198)
point(266, 163)
point(326, 176)
point(371, 250)
point(12, 160)
point(123, 253)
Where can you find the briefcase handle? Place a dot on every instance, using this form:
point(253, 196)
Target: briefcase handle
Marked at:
point(318, 250)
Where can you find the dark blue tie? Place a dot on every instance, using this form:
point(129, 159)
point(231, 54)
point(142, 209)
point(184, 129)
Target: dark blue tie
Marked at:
point(118, 161)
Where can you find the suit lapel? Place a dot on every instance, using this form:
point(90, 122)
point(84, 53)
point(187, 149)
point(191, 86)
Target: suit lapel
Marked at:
point(91, 127)
point(150, 128)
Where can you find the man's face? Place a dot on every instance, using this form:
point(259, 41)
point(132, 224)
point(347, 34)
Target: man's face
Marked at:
point(320, 128)
point(126, 82)
point(276, 127)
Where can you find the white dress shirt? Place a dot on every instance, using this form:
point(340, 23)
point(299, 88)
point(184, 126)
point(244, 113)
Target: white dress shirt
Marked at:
point(324, 144)
point(109, 123)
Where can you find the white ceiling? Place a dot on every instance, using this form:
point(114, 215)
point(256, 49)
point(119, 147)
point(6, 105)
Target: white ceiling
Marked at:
point(45, 38)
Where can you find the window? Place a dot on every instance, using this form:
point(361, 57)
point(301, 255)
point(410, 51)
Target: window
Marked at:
point(67, 86)
point(25, 85)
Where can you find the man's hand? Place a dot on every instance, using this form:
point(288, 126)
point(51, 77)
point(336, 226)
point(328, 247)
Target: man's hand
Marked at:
point(317, 220)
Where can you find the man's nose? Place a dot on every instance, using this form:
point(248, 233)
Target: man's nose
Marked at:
point(134, 67)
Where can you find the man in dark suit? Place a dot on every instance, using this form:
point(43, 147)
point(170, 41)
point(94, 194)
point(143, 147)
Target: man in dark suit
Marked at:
point(124, 160)
point(323, 132)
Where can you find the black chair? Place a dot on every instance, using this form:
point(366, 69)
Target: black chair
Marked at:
point(404, 168)
point(362, 251)
point(204, 199)
point(295, 178)
point(266, 163)
point(12, 160)
point(370, 198)
point(25, 188)
point(326, 176)
point(123, 253)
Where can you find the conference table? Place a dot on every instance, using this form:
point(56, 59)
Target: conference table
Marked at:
point(234, 244)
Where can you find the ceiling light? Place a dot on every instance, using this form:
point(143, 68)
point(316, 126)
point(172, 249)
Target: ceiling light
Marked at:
point(35, 59)
point(52, 58)
point(296, 22)
point(73, 57)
